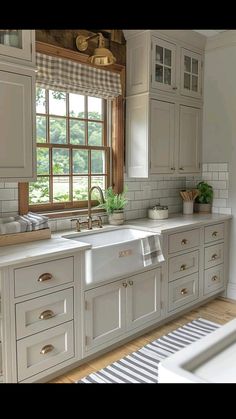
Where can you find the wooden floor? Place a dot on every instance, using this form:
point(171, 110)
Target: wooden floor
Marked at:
point(219, 311)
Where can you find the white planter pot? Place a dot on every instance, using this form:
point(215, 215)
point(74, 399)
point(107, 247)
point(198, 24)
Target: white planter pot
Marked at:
point(116, 218)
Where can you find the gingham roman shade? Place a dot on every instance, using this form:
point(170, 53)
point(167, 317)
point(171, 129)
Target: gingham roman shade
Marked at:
point(70, 76)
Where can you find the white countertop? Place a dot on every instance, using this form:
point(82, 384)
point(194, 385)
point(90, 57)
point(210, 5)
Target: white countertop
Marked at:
point(25, 252)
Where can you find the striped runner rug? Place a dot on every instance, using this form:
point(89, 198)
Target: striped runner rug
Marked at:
point(142, 366)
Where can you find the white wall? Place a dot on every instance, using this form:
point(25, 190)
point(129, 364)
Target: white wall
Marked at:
point(219, 122)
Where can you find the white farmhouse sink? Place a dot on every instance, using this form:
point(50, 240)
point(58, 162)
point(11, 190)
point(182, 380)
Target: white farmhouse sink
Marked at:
point(113, 253)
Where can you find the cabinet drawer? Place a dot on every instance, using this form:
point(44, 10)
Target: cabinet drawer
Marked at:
point(214, 233)
point(184, 240)
point(214, 255)
point(43, 275)
point(214, 279)
point(183, 291)
point(44, 350)
point(41, 313)
point(183, 265)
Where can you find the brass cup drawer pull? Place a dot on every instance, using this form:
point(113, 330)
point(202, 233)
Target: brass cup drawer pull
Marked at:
point(47, 314)
point(46, 349)
point(214, 234)
point(214, 278)
point(214, 257)
point(131, 282)
point(184, 291)
point(45, 277)
point(184, 241)
point(124, 284)
point(183, 267)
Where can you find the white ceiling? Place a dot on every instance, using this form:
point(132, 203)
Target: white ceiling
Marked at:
point(209, 32)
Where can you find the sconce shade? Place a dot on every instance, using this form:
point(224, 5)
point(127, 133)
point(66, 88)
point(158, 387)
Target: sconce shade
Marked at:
point(101, 56)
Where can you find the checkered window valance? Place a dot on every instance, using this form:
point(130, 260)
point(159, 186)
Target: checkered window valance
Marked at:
point(70, 76)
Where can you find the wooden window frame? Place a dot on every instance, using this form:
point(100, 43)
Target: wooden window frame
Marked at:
point(117, 139)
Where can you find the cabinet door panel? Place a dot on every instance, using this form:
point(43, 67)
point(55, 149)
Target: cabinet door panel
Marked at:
point(189, 139)
point(16, 44)
point(143, 298)
point(191, 74)
point(16, 121)
point(137, 71)
point(104, 314)
point(163, 65)
point(162, 136)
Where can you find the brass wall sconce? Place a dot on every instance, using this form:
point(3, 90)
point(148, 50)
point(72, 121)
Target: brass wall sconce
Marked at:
point(101, 56)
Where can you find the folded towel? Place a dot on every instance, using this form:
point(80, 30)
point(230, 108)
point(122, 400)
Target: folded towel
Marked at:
point(151, 250)
point(23, 223)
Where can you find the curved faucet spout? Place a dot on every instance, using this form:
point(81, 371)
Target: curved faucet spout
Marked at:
point(89, 198)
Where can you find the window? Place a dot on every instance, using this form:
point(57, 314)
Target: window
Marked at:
point(72, 149)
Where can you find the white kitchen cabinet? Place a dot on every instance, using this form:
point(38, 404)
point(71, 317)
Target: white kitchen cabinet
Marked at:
point(163, 74)
point(189, 148)
point(17, 45)
point(191, 73)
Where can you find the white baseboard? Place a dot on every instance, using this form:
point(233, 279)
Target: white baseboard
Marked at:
point(231, 291)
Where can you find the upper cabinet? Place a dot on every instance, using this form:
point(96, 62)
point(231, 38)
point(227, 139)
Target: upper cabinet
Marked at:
point(17, 105)
point(16, 45)
point(191, 73)
point(163, 74)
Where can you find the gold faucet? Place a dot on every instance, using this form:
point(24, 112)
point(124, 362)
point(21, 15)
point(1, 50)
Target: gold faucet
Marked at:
point(90, 221)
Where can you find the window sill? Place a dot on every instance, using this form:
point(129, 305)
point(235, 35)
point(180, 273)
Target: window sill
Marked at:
point(71, 213)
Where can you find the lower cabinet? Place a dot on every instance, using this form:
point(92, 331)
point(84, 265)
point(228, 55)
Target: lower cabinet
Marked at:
point(112, 310)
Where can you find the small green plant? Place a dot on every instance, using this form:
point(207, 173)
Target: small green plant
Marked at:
point(113, 201)
point(205, 193)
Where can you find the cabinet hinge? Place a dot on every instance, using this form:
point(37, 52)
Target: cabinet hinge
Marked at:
point(86, 305)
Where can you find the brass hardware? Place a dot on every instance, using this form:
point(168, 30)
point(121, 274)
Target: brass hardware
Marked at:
point(183, 267)
point(101, 55)
point(90, 220)
point(124, 253)
point(184, 241)
point(47, 314)
point(174, 87)
point(214, 234)
point(184, 291)
point(131, 282)
point(45, 277)
point(214, 278)
point(172, 168)
point(124, 284)
point(214, 256)
point(181, 168)
point(46, 349)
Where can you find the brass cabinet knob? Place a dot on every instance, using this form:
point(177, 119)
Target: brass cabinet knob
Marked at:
point(184, 241)
point(214, 278)
point(174, 87)
point(131, 282)
point(45, 277)
point(181, 168)
point(46, 349)
point(183, 267)
point(214, 256)
point(172, 168)
point(47, 314)
point(124, 284)
point(184, 291)
point(214, 234)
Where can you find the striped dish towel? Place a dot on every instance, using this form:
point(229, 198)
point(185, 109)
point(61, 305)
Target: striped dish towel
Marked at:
point(151, 250)
point(23, 223)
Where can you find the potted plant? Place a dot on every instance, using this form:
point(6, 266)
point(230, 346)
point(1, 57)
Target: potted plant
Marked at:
point(203, 202)
point(114, 205)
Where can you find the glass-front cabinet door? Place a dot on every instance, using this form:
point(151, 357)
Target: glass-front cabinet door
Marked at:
point(163, 65)
point(16, 43)
point(191, 70)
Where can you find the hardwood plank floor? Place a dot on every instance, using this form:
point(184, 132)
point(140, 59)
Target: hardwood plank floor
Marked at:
point(219, 310)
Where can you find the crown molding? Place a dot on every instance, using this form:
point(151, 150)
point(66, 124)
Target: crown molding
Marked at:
point(221, 40)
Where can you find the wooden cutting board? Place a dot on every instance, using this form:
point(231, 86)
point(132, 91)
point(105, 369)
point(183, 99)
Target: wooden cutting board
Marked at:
point(29, 236)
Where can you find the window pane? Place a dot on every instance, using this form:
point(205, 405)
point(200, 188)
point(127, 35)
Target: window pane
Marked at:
point(159, 54)
point(98, 164)
point(98, 181)
point(94, 108)
point(57, 103)
point(57, 127)
point(194, 66)
point(39, 191)
point(40, 100)
point(194, 83)
point(42, 161)
point(60, 161)
point(94, 133)
point(77, 132)
point(41, 129)
point(167, 75)
point(187, 81)
point(76, 104)
point(80, 188)
point(167, 57)
point(80, 161)
point(187, 63)
point(60, 189)
point(159, 73)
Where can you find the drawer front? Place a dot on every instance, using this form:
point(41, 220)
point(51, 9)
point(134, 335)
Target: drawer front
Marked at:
point(44, 350)
point(183, 265)
point(183, 291)
point(41, 313)
point(43, 275)
point(214, 279)
point(214, 255)
point(214, 233)
point(184, 240)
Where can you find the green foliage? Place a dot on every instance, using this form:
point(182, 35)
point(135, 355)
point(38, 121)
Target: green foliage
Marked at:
point(205, 193)
point(113, 201)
